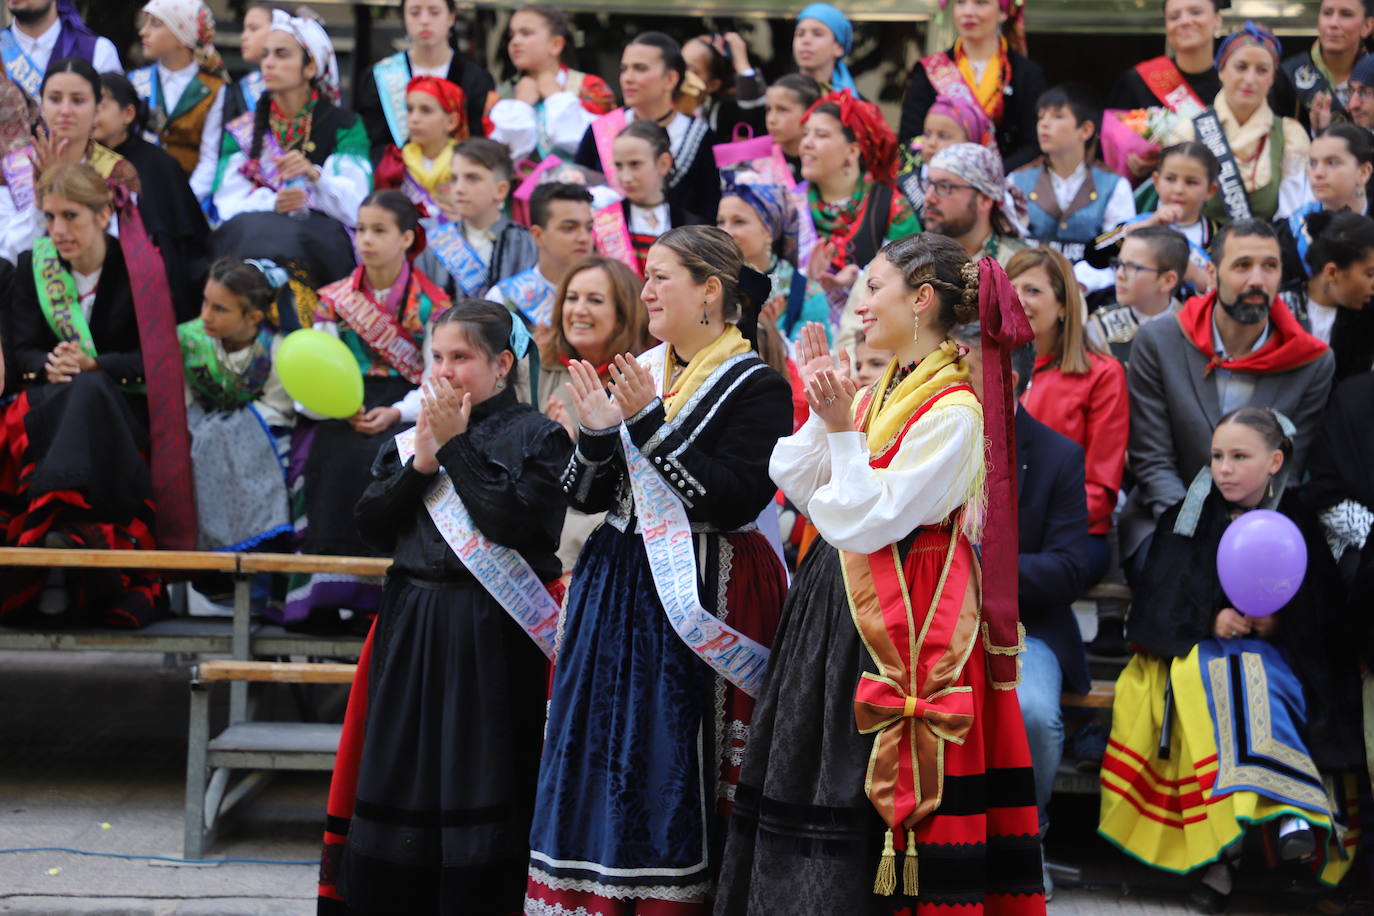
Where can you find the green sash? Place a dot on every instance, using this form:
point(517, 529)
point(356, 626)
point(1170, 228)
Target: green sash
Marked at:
point(57, 297)
point(214, 386)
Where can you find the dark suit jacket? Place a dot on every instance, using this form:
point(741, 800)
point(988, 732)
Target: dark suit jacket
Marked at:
point(1053, 513)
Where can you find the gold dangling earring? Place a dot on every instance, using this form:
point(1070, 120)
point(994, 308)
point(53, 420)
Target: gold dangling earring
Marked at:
point(915, 326)
point(705, 316)
point(1271, 486)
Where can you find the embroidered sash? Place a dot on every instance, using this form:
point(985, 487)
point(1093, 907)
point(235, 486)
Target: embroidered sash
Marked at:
point(251, 87)
point(213, 383)
point(671, 550)
point(1211, 135)
point(381, 331)
point(530, 294)
point(505, 574)
point(19, 178)
point(392, 75)
point(450, 245)
point(806, 226)
point(19, 66)
point(1162, 77)
point(613, 236)
point(57, 297)
point(945, 77)
point(419, 196)
point(604, 131)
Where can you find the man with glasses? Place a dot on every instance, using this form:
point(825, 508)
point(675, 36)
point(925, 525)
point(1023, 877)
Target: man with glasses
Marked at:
point(1361, 103)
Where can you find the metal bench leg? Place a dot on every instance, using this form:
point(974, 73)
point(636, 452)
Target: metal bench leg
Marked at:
point(197, 747)
point(243, 616)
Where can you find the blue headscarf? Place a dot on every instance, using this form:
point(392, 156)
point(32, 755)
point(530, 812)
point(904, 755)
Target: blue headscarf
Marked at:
point(839, 26)
point(773, 205)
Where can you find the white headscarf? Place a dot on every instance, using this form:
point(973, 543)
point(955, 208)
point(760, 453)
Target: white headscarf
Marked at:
point(311, 36)
point(189, 20)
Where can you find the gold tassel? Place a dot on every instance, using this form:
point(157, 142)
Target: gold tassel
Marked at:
point(910, 883)
point(886, 881)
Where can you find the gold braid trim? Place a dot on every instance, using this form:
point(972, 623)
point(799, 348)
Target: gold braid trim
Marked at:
point(1016, 650)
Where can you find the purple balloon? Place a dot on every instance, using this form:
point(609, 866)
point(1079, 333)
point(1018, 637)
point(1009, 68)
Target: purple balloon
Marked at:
point(1261, 561)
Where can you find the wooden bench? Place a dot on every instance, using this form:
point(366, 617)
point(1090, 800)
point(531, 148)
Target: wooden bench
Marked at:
point(248, 745)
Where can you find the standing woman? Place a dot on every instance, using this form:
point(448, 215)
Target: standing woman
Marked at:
point(1076, 390)
point(257, 22)
point(1270, 152)
point(644, 738)
point(596, 314)
point(300, 151)
point(96, 444)
point(820, 43)
point(1189, 78)
point(547, 106)
point(380, 312)
point(986, 64)
point(173, 216)
point(381, 95)
point(883, 671)
point(849, 160)
point(651, 75)
point(185, 86)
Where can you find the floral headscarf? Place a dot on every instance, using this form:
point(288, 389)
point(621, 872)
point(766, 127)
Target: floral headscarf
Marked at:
point(1249, 35)
point(772, 203)
point(976, 124)
point(877, 143)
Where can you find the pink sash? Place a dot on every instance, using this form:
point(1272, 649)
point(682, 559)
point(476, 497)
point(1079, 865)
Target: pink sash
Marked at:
point(613, 235)
point(380, 329)
point(947, 79)
point(604, 131)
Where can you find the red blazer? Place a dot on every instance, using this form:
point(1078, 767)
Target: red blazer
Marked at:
point(1093, 410)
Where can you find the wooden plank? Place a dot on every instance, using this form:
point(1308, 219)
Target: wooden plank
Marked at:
point(120, 559)
point(1113, 591)
point(313, 563)
point(275, 672)
point(1100, 697)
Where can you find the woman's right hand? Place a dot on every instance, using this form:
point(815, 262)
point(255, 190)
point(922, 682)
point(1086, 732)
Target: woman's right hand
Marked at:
point(49, 151)
point(813, 353)
point(596, 408)
point(1231, 624)
point(65, 361)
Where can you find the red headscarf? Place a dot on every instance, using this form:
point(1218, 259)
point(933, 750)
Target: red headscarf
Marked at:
point(865, 121)
point(449, 96)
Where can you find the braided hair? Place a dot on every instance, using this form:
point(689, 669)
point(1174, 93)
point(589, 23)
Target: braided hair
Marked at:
point(941, 263)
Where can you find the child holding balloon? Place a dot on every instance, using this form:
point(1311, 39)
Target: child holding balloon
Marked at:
point(239, 413)
point(380, 313)
point(453, 687)
point(1236, 657)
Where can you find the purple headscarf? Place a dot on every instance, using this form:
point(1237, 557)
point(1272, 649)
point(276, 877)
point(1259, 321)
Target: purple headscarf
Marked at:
point(969, 116)
point(75, 38)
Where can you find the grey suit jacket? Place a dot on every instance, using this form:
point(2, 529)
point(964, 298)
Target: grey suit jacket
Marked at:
point(1175, 407)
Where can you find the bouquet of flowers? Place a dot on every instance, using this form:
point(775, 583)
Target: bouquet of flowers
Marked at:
point(1139, 131)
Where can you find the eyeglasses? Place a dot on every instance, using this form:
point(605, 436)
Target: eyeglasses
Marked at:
point(1366, 93)
point(943, 188)
point(1128, 269)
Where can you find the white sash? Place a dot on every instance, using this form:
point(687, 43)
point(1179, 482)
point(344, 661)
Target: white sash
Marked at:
point(393, 75)
point(19, 65)
point(671, 549)
point(500, 570)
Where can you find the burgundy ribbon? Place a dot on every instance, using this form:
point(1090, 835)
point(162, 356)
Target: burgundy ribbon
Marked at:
point(169, 437)
point(1004, 328)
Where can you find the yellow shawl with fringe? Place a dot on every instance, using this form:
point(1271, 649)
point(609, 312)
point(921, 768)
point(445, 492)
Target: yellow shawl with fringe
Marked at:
point(429, 176)
point(708, 359)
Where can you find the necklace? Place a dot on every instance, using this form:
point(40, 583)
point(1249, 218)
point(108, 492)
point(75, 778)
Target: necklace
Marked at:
point(898, 377)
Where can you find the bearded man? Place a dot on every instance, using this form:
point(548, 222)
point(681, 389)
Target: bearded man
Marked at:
point(1237, 346)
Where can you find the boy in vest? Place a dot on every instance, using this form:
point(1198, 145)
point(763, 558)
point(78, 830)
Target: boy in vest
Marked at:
point(1071, 200)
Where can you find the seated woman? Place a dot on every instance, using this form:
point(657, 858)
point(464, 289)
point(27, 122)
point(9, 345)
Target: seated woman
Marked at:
point(299, 152)
point(381, 93)
point(1270, 152)
point(1077, 390)
point(174, 219)
point(1340, 166)
point(1334, 303)
point(762, 221)
point(80, 438)
point(988, 66)
point(849, 160)
point(1188, 740)
point(596, 315)
point(651, 75)
point(823, 37)
point(381, 313)
point(547, 106)
point(69, 98)
point(239, 414)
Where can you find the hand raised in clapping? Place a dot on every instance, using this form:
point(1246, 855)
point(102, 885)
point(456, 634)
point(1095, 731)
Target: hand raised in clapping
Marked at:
point(595, 406)
point(632, 385)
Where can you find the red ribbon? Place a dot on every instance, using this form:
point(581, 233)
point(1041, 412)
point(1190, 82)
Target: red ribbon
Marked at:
point(878, 704)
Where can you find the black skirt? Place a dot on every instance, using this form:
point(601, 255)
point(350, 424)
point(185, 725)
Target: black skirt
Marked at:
point(450, 756)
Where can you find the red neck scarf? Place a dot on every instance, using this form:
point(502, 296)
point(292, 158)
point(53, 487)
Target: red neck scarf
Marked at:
point(1288, 346)
point(601, 371)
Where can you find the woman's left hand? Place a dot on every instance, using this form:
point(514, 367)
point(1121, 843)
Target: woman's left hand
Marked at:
point(294, 165)
point(831, 398)
point(446, 412)
point(632, 385)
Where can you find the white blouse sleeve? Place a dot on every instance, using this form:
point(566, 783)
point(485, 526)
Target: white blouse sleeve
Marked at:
point(409, 406)
point(514, 124)
point(211, 137)
point(863, 509)
point(800, 464)
point(19, 227)
point(345, 181)
point(237, 194)
point(566, 120)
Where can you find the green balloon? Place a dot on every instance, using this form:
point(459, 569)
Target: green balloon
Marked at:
point(320, 373)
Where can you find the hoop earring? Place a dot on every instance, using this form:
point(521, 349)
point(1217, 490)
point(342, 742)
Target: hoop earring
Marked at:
point(705, 316)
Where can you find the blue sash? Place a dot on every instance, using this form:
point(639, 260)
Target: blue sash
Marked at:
point(392, 75)
point(529, 293)
point(451, 246)
point(19, 65)
point(149, 89)
point(251, 87)
point(1302, 236)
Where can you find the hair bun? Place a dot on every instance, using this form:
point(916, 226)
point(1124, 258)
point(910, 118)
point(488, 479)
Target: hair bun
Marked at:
point(967, 310)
